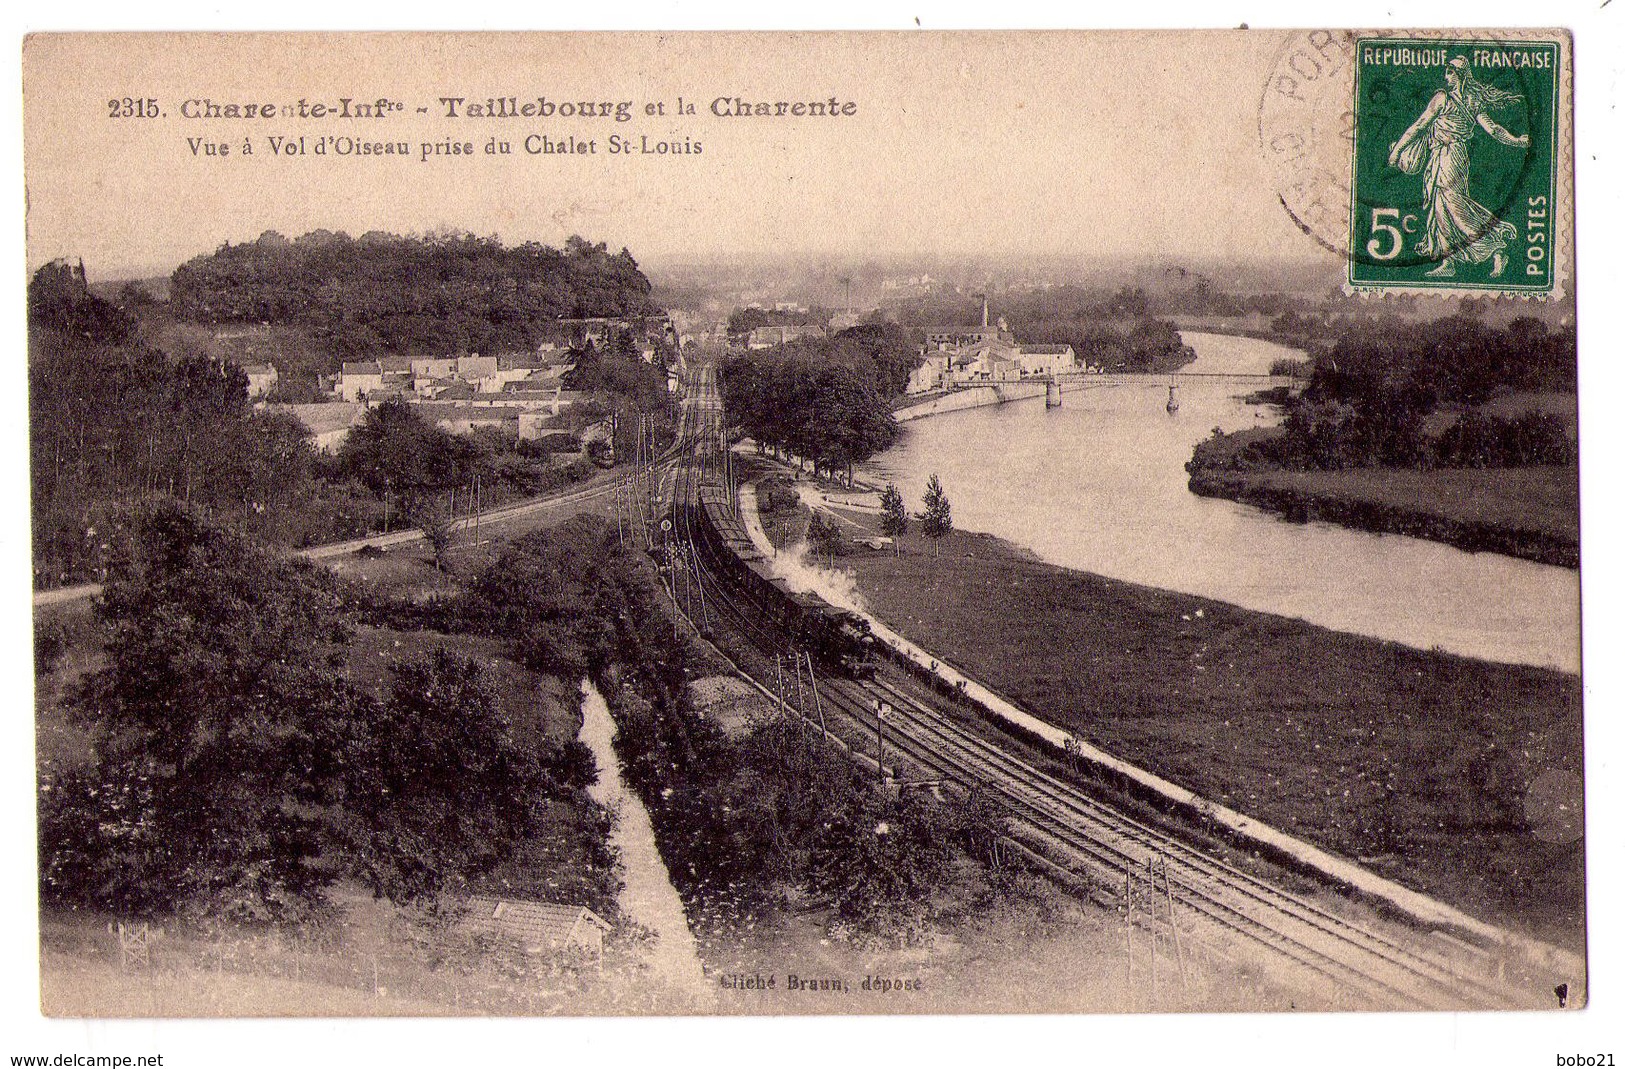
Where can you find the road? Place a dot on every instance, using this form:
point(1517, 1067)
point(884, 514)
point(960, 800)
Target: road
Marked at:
point(410, 536)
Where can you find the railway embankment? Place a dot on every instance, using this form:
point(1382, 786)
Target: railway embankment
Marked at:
point(1398, 774)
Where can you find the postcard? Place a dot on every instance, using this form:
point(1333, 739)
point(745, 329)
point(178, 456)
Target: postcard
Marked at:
point(757, 524)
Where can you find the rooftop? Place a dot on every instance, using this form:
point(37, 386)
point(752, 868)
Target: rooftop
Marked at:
point(533, 923)
point(323, 418)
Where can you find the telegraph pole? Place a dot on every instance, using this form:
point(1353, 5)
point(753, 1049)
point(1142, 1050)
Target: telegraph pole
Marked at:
point(880, 739)
point(818, 702)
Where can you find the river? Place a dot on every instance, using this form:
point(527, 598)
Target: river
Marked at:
point(1099, 485)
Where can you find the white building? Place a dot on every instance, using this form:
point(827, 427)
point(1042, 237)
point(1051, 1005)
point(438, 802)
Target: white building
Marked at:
point(929, 375)
point(1042, 360)
point(358, 378)
point(261, 378)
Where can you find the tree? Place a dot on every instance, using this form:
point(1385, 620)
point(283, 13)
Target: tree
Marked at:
point(880, 863)
point(825, 535)
point(60, 299)
point(113, 422)
point(438, 293)
point(221, 735)
point(817, 400)
point(437, 529)
point(448, 791)
point(237, 773)
point(937, 520)
point(396, 450)
point(893, 513)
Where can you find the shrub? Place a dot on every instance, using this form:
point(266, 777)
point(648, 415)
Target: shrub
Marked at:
point(548, 444)
point(1477, 440)
point(49, 645)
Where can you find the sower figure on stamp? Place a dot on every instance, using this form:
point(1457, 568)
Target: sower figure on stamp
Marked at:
point(1459, 229)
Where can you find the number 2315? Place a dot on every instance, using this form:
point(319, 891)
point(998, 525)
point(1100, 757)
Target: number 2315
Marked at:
point(132, 108)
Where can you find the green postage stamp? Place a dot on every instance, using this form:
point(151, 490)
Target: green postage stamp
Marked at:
point(1457, 153)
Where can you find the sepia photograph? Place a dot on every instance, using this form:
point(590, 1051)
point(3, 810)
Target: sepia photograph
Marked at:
point(931, 522)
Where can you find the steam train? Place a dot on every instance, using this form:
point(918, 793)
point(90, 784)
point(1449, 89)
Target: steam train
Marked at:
point(838, 639)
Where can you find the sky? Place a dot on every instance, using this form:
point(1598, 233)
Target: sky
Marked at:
point(984, 144)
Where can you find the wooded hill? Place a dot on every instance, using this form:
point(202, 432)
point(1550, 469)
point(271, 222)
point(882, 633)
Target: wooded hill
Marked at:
point(115, 423)
point(437, 293)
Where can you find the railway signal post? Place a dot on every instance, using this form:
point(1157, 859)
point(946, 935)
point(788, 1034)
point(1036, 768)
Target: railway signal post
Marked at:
point(881, 709)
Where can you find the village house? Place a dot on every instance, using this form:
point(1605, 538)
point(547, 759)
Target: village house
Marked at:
point(538, 370)
point(358, 378)
point(1045, 360)
point(929, 375)
point(466, 419)
point(394, 379)
point(552, 401)
point(328, 424)
point(530, 381)
point(434, 367)
point(995, 366)
point(539, 423)
point(995, 361)
point(479, 372)
point(261, 379)
point(449, 389)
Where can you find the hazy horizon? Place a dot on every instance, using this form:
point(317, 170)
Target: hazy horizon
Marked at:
point(990, 145)
point(1074, 267)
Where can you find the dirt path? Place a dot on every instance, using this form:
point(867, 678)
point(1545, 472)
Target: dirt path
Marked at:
point(649, 897)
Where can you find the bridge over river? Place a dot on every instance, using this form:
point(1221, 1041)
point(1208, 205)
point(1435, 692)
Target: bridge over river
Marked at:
point(1082, 379)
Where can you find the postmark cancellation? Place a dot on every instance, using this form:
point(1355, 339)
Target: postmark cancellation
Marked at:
point(1431, 164)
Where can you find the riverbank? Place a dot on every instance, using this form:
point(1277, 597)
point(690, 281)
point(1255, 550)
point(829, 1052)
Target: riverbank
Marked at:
point(1440, 506)
point(1416, 764)
point(1532, 513)
point(358, 954)
point(972, 397)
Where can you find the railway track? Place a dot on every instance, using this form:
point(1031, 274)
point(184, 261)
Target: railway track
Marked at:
point(1357, 958)
point(1224, 909)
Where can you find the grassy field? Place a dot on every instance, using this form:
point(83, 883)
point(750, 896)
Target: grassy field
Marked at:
point(1531, 512)
point(1416, 763)
point(364, 959)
